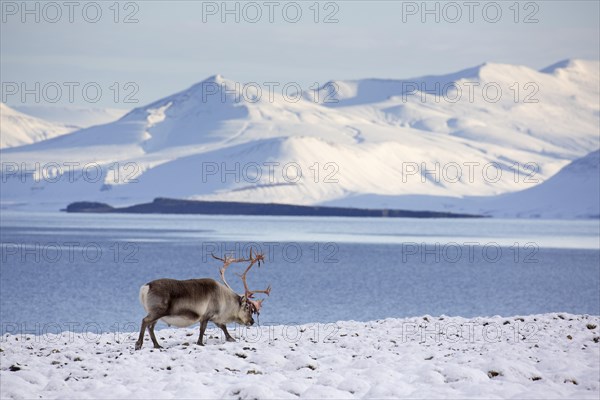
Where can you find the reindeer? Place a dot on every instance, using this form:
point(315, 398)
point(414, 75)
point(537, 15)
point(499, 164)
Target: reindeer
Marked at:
point(183, 303)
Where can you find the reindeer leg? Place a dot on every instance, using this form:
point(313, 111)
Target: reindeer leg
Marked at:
point(228, 337)
point(148, 322)
point(152, 336)
point(140, 341)
point(203, 325)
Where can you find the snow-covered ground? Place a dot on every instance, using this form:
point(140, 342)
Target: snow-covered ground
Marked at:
point(536, 356)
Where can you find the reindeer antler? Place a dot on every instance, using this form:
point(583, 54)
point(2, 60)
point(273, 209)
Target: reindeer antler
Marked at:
point(253, 260)
point(248, 294)
point(227, 261)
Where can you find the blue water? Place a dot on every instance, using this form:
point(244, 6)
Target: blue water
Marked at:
point(83, 272)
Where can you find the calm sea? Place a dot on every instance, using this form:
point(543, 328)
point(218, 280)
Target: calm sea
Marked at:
point(83, 272)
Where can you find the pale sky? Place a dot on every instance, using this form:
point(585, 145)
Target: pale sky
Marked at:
point(175, 44)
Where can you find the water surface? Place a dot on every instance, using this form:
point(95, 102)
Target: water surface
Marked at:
point(83, 271)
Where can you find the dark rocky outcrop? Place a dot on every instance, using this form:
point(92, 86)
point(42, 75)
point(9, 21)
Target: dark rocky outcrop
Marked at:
point(175, 206)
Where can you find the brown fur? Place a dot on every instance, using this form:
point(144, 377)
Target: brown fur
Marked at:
point(190, 301)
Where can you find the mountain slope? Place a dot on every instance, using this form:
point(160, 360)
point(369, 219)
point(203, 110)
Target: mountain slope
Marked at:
point(82, 117)
point(574, 192)
point(18, 129)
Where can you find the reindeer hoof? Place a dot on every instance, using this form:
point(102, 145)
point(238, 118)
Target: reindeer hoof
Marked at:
point(200, 344)
point(230, 339)
point(138, 345)
point(158, 346)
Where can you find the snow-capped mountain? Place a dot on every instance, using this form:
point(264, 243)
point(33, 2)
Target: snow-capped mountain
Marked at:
point(484, 131)
point(18, 129)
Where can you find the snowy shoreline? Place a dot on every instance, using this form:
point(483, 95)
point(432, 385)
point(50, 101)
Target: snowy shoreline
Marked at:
point(553, 355)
